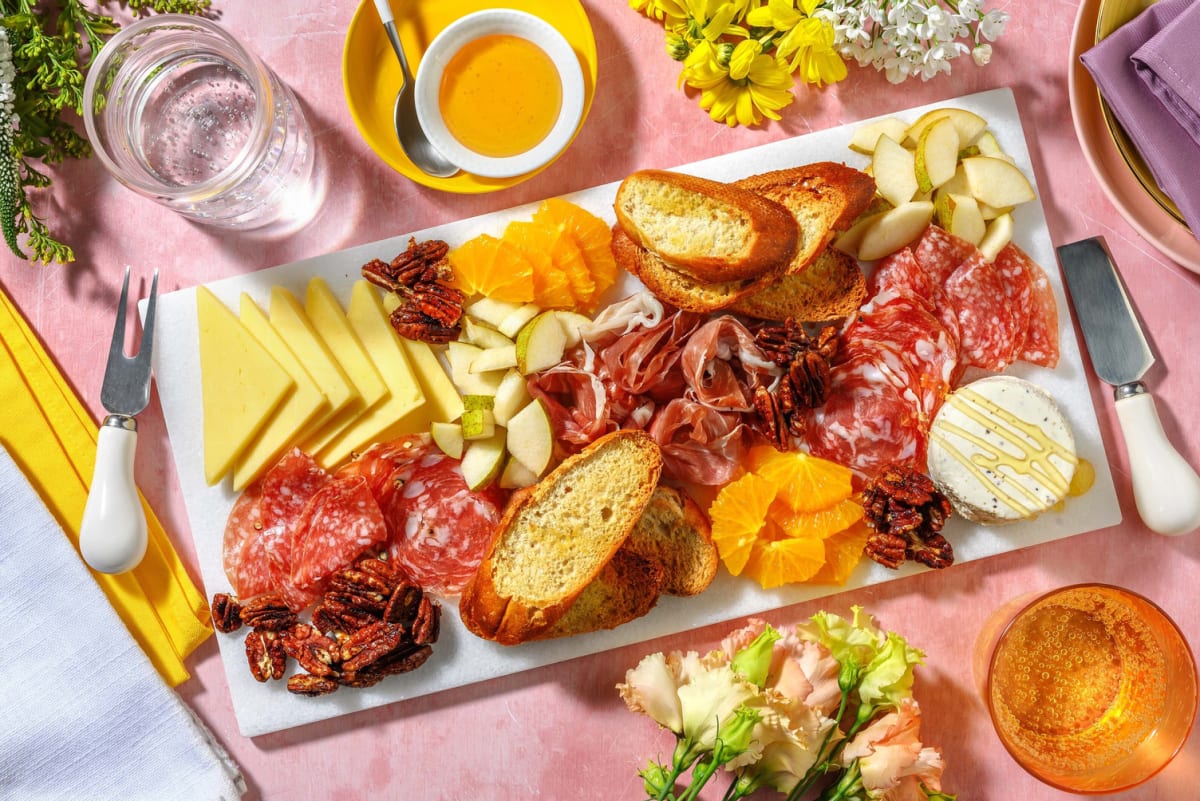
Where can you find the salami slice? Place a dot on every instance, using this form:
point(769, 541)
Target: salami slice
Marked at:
point(340, 522)
point(439, 527)
point(941, 252)
point(243, 525)
point(287, 486)
point(1018, 294)
point(387, 465)
point(901, 273)
point(1040, 345)
point(988, 326)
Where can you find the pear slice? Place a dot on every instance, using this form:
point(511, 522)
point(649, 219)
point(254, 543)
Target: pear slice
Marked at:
point(997, 182)
point(448, 437)
point(936, 157)
point(850, 239)
point(460, 356)
point(572, 322)
point(970, 126)
point(511, 395)
point(477, 424)
point(492, 312)
point(516, 475)
point(988, 146)
point(960, 215)
point(531, 438)
point(999, 233)
point(498, 358)
point(894, 229)
point(515, 321)
point(481, 334)
point(483, 459)
point(895, 171)
point(866, 136)
point(540, 343)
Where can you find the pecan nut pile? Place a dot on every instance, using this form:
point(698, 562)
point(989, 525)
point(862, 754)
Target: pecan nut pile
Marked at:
point(430, 309)
point(905, 513)
point(370, 624)
point(804, 384)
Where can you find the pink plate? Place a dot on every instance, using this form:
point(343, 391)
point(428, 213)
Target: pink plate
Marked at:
point(1120, 184)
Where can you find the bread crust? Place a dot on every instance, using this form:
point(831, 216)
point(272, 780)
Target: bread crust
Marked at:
point(833, 287)
point(711, 231)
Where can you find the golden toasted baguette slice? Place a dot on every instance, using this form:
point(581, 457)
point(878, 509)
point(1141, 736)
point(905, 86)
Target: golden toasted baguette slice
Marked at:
point(833, 287)
point(711, 231)
point(625, 589)
point(676, 288)
point(675, 533)
point(555, 537)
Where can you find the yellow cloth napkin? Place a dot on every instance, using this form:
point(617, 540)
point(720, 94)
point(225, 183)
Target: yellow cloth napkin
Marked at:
point(52, 438)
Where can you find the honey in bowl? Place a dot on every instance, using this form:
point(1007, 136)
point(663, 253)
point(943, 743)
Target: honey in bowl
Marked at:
point(500, 95)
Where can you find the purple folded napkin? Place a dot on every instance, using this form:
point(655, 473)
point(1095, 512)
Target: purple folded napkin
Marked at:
point(1168, 149)
point(1167, 64)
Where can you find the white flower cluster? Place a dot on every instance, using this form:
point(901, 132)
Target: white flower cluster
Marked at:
point(906, 38)
point(8, 74)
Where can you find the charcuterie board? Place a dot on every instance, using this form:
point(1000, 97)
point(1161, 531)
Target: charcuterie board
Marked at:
point(460, 658)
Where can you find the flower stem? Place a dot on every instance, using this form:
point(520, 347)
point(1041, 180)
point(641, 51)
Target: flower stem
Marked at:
point(700, 777)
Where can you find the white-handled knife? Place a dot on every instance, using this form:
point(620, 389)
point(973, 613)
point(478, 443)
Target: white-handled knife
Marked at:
point(1165, 487)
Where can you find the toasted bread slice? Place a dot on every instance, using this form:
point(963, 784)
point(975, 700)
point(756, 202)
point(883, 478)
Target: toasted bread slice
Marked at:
point(675, 533)
point(713, 232)
point(674, 287)
point(555, 537)
point(833, 287)
point(625, 589)
point(824, 198)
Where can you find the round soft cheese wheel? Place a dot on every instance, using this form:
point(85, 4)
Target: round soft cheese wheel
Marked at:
point(1001, 450)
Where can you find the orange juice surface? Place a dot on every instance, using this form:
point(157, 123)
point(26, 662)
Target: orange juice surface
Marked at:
point(500, 95)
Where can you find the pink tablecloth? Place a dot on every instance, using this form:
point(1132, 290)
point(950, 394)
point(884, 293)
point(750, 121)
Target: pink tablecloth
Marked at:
point(561, 731)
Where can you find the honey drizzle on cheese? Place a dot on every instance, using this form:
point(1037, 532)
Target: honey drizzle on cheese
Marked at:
point(1035, 446)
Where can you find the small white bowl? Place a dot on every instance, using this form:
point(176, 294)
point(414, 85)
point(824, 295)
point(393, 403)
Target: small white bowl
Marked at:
point(484, 23)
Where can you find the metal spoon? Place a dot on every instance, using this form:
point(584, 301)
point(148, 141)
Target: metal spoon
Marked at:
point(408, 128)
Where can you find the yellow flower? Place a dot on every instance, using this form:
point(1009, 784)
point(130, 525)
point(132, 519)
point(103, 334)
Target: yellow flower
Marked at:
point(809, 45)
point(753, 85)
point(665, 11)
point(712, 19)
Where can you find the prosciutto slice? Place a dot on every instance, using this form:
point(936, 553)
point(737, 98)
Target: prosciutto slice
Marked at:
point(723, 366)
point(699, 444)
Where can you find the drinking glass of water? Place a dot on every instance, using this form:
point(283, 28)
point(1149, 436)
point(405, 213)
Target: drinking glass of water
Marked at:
point(179, 111)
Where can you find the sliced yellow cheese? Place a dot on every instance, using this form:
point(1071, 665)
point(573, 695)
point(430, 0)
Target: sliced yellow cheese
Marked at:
point(290, 321)
point(291, 420)
point(443, 403)
point(330, 321)
point(241, 384)
point(370, 323)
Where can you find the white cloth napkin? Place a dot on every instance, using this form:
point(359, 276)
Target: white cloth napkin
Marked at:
point(85, 713)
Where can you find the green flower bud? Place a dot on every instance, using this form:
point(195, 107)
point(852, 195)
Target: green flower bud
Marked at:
point(654, 779)
point(678, 46)
point(725, 53)
point(754, 661)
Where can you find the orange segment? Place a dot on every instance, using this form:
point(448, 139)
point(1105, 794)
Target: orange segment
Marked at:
point(551, 287)
point(822, 523)
point(591, 233)
point(792, 559)
point(843, 552)
point(807, 483)
point(492, 267)
point(738, 515)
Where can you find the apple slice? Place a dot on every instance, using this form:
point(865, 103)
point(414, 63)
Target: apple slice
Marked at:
point(894, 229)
point(540, 344)
point(517, 475)
point(498, 358)
point(483, 460)
point(968, 124)
point(461, 356)
point(531, 438)
point(481, 334)
point(936, 158)
point(999, 233)
point(514, 322)
point(492, 312)
point(895, 171)
point(866, 136)
point(448, 437)
point(997, 182)
point(960, 215)
point(511, 395)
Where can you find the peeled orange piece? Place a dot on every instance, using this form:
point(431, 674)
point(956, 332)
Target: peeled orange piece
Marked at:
point(843, 552)
point(591, 234)
point(551, 287)
point(738, 516)
point(808, 483)
point(822, 523)
point(492, 267)
point(779, 562)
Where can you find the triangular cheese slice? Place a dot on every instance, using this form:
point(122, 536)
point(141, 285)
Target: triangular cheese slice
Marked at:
point(241, 384)
point(331, 324)
point(293, 417)
point(373, 328)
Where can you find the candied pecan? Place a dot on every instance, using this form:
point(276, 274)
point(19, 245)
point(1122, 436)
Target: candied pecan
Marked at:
point(405, 659)
point(310, 685)
point(350, 618)
point(782, 342)
point(902, 504)
point(265, 654)
point(315, 653)
point(267, 611)
point(772, 422)
point(378, 273)
point(325, 621)
point(809, 379)
point(439, 302)
point(226, 613)
point(368, 603)
point(404, 605)
point(382, 569)
point(361, 582)
point(410, 323)
point(427, 625)
point(369, 644)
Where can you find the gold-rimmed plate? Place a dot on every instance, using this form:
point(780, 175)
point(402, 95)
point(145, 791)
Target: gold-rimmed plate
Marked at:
point(371, 73)
point(1116, 177)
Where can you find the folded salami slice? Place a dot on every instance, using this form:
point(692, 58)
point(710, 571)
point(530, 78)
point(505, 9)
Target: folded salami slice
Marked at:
point(989, 326)
point(1040, 345)
point(340, 522)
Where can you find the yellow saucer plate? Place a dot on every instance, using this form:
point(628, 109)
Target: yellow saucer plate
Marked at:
point(371, 74)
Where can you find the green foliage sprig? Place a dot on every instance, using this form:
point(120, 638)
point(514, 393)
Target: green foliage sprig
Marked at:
point(53, 43)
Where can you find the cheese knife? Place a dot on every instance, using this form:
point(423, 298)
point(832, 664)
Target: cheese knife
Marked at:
point(113, 534)
point(1165, 487)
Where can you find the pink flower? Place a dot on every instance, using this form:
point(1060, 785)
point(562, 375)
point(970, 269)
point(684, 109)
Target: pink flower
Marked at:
point(891, 758)
point(653, 686)
point(803, 671)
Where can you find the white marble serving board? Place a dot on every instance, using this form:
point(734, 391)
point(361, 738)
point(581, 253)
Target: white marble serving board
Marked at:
point(460, 658)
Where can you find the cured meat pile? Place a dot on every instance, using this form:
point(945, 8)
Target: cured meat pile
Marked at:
point(290, 531)
point(936, 310)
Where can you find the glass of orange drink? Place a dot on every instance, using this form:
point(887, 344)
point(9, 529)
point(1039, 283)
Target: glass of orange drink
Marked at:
point(1091, 688)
